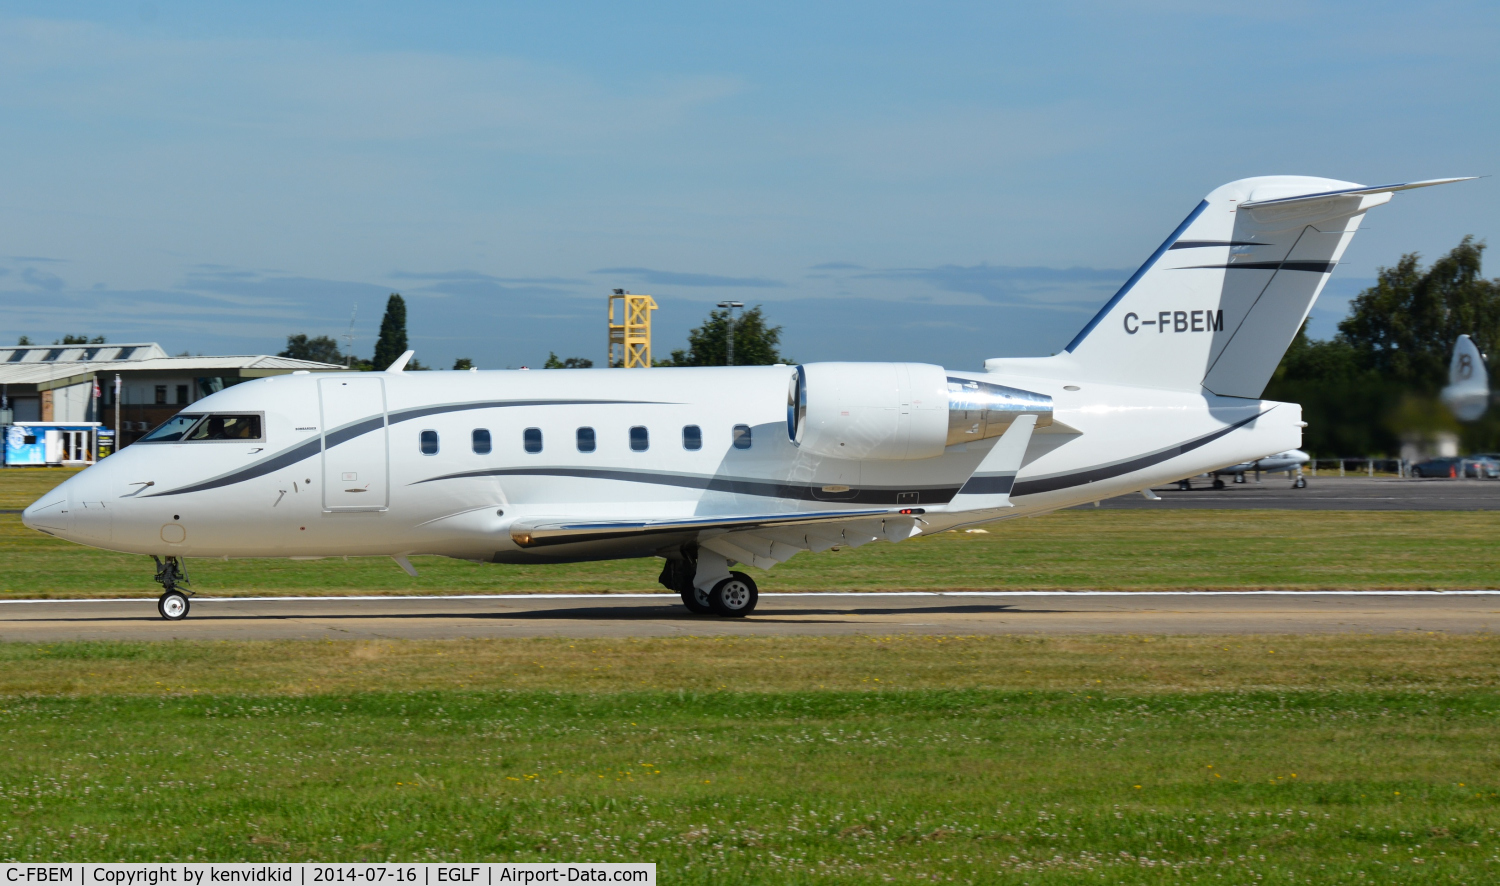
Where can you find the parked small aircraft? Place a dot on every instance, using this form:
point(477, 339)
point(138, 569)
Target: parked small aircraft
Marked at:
point(1289, 462)
point(1468, 390)
point(709, 467)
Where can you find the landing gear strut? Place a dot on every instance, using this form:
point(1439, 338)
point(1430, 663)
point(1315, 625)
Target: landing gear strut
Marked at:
point(734, 596)
point(173, 602)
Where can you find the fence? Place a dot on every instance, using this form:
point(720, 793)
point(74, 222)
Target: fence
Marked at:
point(1398, 467)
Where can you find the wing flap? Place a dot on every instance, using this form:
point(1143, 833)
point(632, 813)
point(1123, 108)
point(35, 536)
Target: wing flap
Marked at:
point(542, 532)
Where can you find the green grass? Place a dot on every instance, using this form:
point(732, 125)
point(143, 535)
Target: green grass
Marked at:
point(1069, 550)
point(983, 760)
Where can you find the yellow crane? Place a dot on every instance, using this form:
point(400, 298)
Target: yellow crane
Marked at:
point(633, 333)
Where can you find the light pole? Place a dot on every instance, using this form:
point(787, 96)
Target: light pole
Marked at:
point(729, 336)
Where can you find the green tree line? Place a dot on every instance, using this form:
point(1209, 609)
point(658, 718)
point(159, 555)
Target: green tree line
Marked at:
point(1378, 378)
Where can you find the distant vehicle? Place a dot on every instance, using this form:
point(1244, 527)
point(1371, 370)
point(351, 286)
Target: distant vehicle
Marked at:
point(1485, 467)
point(1446, 466)
point(1468, 390)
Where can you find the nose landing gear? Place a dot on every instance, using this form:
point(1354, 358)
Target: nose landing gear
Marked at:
point(173, 602)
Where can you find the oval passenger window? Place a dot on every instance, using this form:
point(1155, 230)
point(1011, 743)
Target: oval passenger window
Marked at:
point(429, 443)
point(692, 438)
point(533, 439)
point(481, 441)
point(640, 440)
point(741, 436)
point(585, 439)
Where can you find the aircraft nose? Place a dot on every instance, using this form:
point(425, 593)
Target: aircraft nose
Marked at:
point(51, 513)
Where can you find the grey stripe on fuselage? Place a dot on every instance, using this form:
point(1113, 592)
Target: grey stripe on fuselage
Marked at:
point(716, 483)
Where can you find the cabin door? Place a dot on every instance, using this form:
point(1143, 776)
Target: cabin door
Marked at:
point(356, 450)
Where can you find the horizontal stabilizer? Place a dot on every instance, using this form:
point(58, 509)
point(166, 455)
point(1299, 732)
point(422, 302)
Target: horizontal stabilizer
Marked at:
point(1356, 191)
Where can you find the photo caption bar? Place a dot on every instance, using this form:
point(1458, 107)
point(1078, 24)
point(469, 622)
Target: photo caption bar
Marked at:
point(192, 874)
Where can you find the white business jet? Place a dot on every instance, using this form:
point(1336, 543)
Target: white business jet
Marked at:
point(1468, 390)
point(706, 468)
point(1289, 462)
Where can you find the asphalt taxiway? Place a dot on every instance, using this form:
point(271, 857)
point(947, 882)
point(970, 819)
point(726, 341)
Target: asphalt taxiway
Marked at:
point(661, 615)
point(1324, 493)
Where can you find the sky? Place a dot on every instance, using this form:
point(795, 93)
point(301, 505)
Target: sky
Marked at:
point(939, 182)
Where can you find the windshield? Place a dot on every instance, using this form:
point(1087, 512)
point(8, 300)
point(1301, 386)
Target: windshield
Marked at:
point(172, 429)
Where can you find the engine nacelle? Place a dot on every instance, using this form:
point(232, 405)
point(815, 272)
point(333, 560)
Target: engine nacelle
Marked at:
point(899, 410)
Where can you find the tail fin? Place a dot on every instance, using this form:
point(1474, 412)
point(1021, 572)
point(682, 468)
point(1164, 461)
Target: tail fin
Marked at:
point(1218, 303)
point(1468, 390)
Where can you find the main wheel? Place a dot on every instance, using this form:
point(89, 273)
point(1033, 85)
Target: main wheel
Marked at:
point(1218, 483)
point(696, 602)
point(173, 606)
point(735, 596)
point(1299, 483)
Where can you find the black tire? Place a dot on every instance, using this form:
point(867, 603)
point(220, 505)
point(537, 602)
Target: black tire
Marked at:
point(173, 605)
point(696, 602)
point(1184, 485)
point(1299, 483)
point(1218, 483)
point(735, 596)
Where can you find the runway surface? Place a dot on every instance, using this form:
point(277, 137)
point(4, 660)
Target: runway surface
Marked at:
point(661, 615)
point(1325, 493)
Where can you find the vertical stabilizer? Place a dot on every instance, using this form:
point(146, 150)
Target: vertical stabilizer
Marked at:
point(1468, 390)
point(1218, 303)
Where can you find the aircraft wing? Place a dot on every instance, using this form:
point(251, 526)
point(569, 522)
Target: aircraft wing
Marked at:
point(761, 539)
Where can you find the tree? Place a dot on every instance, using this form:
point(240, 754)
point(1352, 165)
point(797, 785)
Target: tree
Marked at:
point(1377, 379)
point(392, 342)
point(23, 341)
point(1404, 326)
point(569, 363)
point(78, 340)
point(755, 343)
point(463, 363)
point(322, 349)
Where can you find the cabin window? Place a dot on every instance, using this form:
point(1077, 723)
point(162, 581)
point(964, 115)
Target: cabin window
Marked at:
point(586, 441)
point(533, 439)
point(429, 443)
point(692, 437)
point(481, 441)
point(640, 440)
point(741, 436)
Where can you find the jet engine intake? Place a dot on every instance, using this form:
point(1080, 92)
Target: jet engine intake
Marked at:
point(898, 410)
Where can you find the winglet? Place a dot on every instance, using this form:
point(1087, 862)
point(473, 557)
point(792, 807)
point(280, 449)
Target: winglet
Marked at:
point(988, 488)
point(401, 361)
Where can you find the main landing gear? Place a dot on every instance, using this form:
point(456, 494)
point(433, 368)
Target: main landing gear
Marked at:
point(733, 596)
point(173, 602)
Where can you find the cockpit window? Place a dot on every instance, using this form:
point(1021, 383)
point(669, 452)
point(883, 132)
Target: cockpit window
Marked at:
point(172, 429)
point(226, 427)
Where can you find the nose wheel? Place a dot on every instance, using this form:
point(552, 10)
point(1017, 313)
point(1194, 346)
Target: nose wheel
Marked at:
point(173, 603)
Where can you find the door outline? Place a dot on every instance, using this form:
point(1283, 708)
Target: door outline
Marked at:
point(384, 431)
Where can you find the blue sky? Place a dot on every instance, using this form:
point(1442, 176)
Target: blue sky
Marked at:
point(936, 182)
